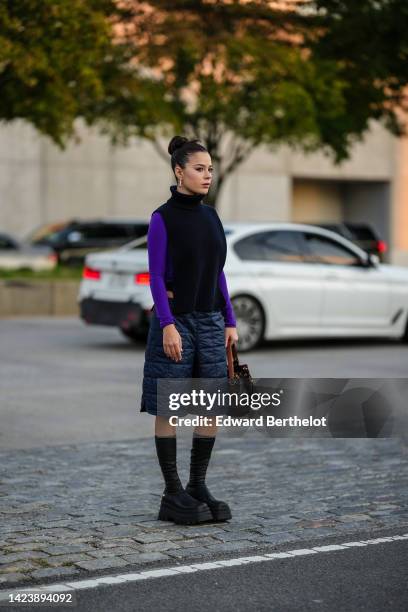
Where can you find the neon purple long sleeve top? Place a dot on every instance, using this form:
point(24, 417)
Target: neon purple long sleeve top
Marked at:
point(160, 270)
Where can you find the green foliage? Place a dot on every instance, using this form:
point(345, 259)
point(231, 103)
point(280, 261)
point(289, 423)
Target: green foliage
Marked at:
point(312, 74)
point(60, 272)
point(236, 75)
point(367, 42)
point(57, 61)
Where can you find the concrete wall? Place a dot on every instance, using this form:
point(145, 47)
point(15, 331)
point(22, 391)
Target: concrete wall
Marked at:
point(314, 201)
point(399, 198)
point(353, 201)
point(38, 298)
point(21, 178)
point(39, 183)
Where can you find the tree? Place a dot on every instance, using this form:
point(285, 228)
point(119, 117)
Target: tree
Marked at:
point(311, 74)
point(234, 73)
point(59, 61)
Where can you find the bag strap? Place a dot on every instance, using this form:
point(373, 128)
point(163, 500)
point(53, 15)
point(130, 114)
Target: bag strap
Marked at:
point(232, 358)
point(235, 355)
point(230, 361)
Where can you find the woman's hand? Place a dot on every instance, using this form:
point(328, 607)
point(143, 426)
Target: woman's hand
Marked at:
point(172, 345)
point(231, 335)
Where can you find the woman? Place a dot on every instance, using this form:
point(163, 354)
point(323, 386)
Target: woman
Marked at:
point(192, 322)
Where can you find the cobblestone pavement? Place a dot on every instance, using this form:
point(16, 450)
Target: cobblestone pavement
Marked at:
point(91, 508)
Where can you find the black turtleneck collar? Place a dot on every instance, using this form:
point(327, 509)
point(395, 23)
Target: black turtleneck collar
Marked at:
point(184, 200)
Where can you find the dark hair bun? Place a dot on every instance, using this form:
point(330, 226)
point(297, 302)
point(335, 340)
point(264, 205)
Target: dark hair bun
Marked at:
point(175, 143)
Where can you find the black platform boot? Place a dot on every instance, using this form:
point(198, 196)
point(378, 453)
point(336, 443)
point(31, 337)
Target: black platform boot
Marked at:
point(176, 504)
point(200, 456)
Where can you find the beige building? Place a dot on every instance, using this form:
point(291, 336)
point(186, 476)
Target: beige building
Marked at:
point(39, 184)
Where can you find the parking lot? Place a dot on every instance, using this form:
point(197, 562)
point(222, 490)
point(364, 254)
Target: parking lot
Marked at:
point(65, 382)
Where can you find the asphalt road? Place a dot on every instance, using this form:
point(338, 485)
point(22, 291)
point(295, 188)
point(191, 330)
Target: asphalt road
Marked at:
point(62, 381)
point(368, 579)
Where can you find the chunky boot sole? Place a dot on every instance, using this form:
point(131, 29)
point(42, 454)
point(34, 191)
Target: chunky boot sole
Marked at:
point(219, 512)
point(184, 517)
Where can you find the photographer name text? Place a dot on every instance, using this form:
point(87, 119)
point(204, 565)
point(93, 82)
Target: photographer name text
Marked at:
point(259, 421)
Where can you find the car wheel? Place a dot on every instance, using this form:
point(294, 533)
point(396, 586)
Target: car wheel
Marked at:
point(404, 337)
point(133, 334)
point(250, 322)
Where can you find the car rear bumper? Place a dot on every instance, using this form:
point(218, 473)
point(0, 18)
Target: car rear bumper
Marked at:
point(127, 315)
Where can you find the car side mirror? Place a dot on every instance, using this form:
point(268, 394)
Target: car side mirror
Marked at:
point(74, 236)
point(374, 259)
point(371, 261)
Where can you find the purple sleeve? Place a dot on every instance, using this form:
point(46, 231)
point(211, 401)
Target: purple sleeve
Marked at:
point(227, 311)
point(156, 249)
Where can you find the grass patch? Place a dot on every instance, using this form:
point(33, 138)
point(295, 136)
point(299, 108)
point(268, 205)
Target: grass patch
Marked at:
point(59, 273)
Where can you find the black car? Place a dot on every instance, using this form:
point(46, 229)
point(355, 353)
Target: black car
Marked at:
point(73, 240)
point(362, 234)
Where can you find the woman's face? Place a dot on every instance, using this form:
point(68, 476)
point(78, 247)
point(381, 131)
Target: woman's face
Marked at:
point(196, 176)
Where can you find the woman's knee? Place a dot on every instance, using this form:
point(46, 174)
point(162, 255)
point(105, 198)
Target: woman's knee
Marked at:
point(163, 428)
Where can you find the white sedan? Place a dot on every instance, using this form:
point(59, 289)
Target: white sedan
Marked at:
point(286, 280)
point(15, 255)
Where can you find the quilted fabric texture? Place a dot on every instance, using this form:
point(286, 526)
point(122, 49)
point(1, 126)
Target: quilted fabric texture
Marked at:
point(203, 356)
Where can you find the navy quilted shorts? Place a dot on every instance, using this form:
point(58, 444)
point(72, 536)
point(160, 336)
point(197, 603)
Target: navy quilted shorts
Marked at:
point(203, 356)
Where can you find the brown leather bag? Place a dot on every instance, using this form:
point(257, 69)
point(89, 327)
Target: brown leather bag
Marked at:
point(239, 379)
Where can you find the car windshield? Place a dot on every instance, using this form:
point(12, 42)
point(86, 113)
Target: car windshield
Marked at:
point(47, 232)
point(138, 243)
point(141, 243)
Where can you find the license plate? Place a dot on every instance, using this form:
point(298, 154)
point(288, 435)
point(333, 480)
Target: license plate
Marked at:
point(118, 281)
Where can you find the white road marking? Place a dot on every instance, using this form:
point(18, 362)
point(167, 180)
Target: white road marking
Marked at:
point(92, 583)
point(329, 547)
point(304, 551)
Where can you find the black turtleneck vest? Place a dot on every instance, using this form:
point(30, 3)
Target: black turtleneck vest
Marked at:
point(197, 249)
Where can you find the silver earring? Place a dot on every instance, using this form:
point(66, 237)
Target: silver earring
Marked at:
point(179, 183)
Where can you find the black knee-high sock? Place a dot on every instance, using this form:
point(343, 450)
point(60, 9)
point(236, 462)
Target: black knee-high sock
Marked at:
point(200, 456)
point(166, 447)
